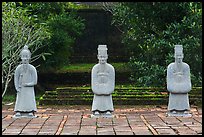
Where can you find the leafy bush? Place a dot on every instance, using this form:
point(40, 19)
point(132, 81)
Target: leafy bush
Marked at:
point(151, 29)
point(64, 26)
point(147, 75)
point(18, 30)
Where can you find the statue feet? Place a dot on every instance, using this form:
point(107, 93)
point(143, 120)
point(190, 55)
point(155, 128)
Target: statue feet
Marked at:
point(24, 115)
point(174, 112)
point(98, 114)
point(17, 115)
point(95, 114)
point(30, 114)
point(108, 113)
point(178, 113)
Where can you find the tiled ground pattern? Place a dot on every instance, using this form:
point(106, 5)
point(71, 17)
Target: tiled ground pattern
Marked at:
point(127, 120)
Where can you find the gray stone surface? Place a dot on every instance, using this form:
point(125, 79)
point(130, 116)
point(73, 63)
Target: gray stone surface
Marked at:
point(102, 83)
point(25, 78)
point(178, 84)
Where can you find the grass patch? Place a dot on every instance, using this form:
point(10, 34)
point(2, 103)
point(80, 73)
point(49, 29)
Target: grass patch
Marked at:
point(87, 67)
point(11, 98)
point(77, 68)
point(8, 98)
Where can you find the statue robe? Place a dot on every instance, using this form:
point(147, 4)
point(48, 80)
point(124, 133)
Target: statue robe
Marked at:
point(178, 87)
point(25, 100)
point(103, 84)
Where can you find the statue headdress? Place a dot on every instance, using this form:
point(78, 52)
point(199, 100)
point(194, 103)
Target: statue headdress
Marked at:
point(25, 50)
point(178, 50)
point(102, 50)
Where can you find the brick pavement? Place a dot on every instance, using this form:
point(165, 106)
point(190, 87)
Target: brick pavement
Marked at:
point(127, 120)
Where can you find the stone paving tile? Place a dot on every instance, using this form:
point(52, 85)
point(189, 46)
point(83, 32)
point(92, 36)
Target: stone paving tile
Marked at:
point(33, 126)
point(14, 131)
point(70, 130)
point(87, 130)
point(68, 133)
point(105, 133)
point(124, 133)
point(171, 120)
point(10, 133)
point(29, 131)
point(157, 124)
point(6, 123)
point(196, 128)
point(105, 129)
point(165, 131)
point(199, 119)
point(184, 131)
point(122, 121)
point(72, 121)
point(122, 128)
point(127, 120)
point(88, 122)
point(37, 120)
point(136, 123)
point(46, 133)
point(141, 130)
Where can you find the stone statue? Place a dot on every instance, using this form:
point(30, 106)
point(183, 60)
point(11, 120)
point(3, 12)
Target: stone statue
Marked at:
point(103, 85)
point(178, 85)
point(25, 78)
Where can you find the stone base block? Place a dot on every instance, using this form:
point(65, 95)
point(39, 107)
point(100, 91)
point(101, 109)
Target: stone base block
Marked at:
point(179, 114)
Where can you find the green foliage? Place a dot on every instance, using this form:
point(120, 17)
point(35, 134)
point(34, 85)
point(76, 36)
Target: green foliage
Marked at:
point(189, 34)
point(147, 75)
point(24, 30)
point(44, 10)
point(64, 26)
point(11, 98)
point(121, 96)
point(151, 29)
point(18, 30)
point(144, 20)
point(119, 67)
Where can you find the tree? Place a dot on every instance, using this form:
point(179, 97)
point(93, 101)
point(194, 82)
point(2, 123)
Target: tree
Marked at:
point(64, 27)
point(18, 30)
point(189, 33)
point(150, 31)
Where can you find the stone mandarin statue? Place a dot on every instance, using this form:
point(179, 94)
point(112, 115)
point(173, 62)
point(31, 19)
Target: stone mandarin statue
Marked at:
point(25, 78)
point(178, 85)
point(103, 85)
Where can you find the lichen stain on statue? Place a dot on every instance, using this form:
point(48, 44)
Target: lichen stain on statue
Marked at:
point(103, 85)
point(178, 85)
point(25, 78)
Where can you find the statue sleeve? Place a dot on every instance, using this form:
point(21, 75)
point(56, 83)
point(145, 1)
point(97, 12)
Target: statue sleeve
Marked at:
point(94, 83)
point(34, 76)
point(16, 79)
point(170, 79)
point(187, 78)
point(111, 83)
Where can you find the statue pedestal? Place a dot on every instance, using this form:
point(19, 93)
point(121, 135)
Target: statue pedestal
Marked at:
point(103, 115)
point(24, 115)
point(179, 114)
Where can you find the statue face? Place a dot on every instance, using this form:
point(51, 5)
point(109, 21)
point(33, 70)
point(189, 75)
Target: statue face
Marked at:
point(102, 59)
point(25, 58)
point(179, 58)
